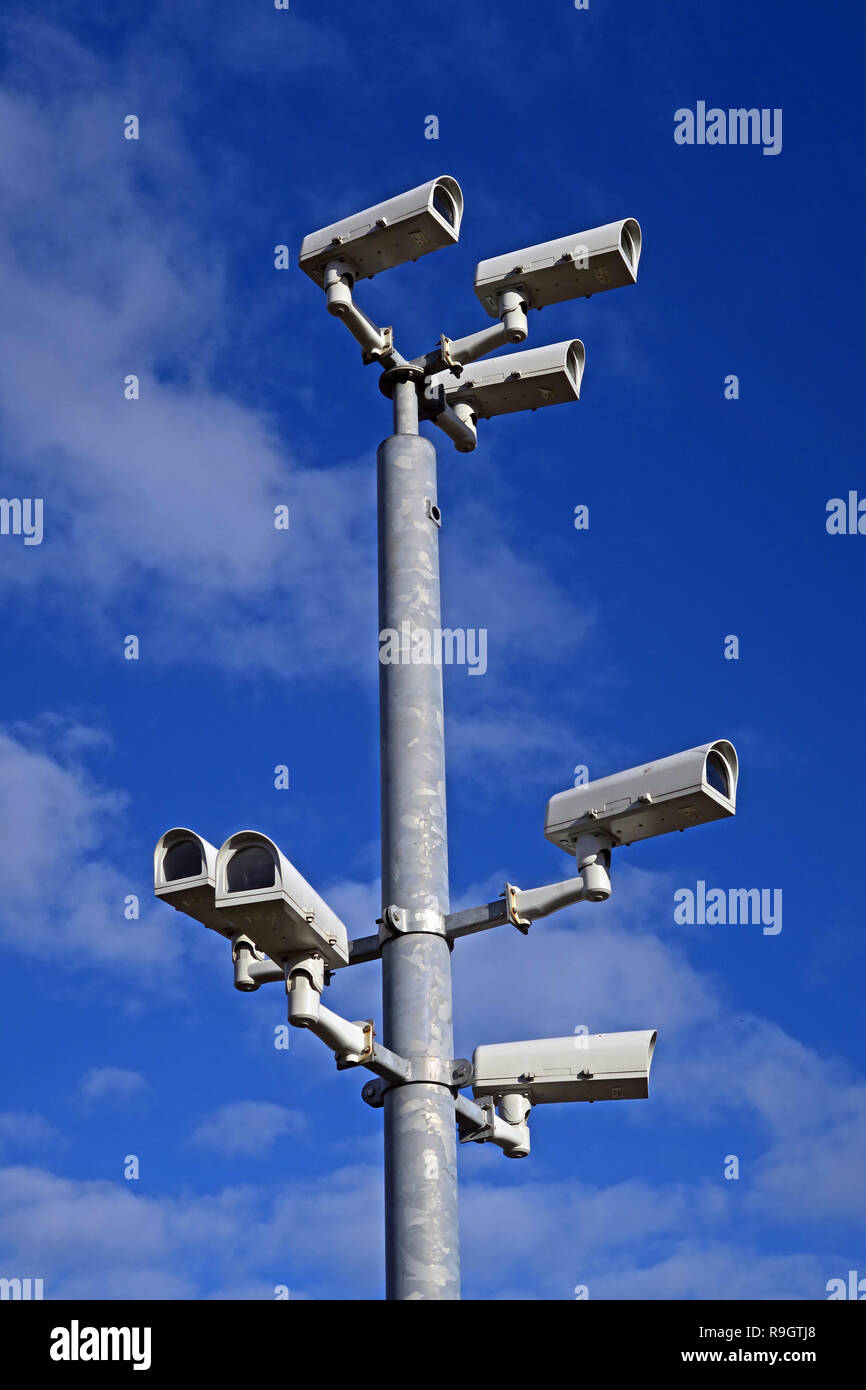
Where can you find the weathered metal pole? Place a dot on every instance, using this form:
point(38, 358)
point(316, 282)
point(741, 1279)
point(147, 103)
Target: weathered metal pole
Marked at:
point(422, 1249)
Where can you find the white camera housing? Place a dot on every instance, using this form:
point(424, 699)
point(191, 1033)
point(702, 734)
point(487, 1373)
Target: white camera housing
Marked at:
point(587, 1066)
point(604, 258)
point(673, 793)
point(401, 229)
point(265, 896)
point(184, 874)
point(549, 375)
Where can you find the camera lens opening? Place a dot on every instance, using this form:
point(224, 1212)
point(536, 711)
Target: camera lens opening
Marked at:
point(182, 860)
point(717, 774)
point(629, 241)
point(574, 360)
point(444, 205)
point(251, 868)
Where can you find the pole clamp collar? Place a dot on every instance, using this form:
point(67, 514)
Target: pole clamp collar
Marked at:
point(401, 921)
point(455, 1075)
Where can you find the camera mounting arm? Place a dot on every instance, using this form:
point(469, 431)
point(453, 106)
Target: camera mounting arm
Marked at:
point(522, 907)
point(354, 1045)
point(377, 344)
point(459, 422)
point(517, 907)
point(508, 1130)
point(453, 354)
point(305, 980)
point(252, 967)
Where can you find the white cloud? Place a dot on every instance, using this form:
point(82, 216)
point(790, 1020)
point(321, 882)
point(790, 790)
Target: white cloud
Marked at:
point(323, 1237)
point(606, 969)
point(247, 1127)
point(111, 1084)
point(499, 743)
point(163, 507)
point(170, 498)
point(601, 966)
point(24, 1129)
point(717, 1269)
point(56, 874)
point(91, 1239)
point(632, 1240)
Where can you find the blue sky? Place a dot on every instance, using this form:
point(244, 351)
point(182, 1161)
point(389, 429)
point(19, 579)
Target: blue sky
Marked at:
point(605, 647)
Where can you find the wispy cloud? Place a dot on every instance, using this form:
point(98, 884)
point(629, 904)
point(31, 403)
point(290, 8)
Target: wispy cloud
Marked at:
point(111, 1085)
point(526, 1239)
point(99, 1239)
point(246, 1127)
point(163, 507)
point(24, 1129)
point(56, 873)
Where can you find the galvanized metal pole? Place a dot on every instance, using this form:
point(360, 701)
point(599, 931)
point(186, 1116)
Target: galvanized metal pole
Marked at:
point(422, 1248)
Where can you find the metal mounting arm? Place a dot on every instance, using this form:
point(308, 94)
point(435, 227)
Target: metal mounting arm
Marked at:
point(517, 906)
point(509, 1130)
point(352, 1042)
point(521, 907)
point(453, 354)
point(459, 422)
point(354, 1045)
point(252, 966)
point(377, 344)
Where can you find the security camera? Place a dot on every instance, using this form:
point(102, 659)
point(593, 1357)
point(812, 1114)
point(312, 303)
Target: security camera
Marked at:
point(266, 897)
point(595, 1066)
point(401, 229)
point(604, 258)
point(184, 874)
point(548, 375)
point(673, 793)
